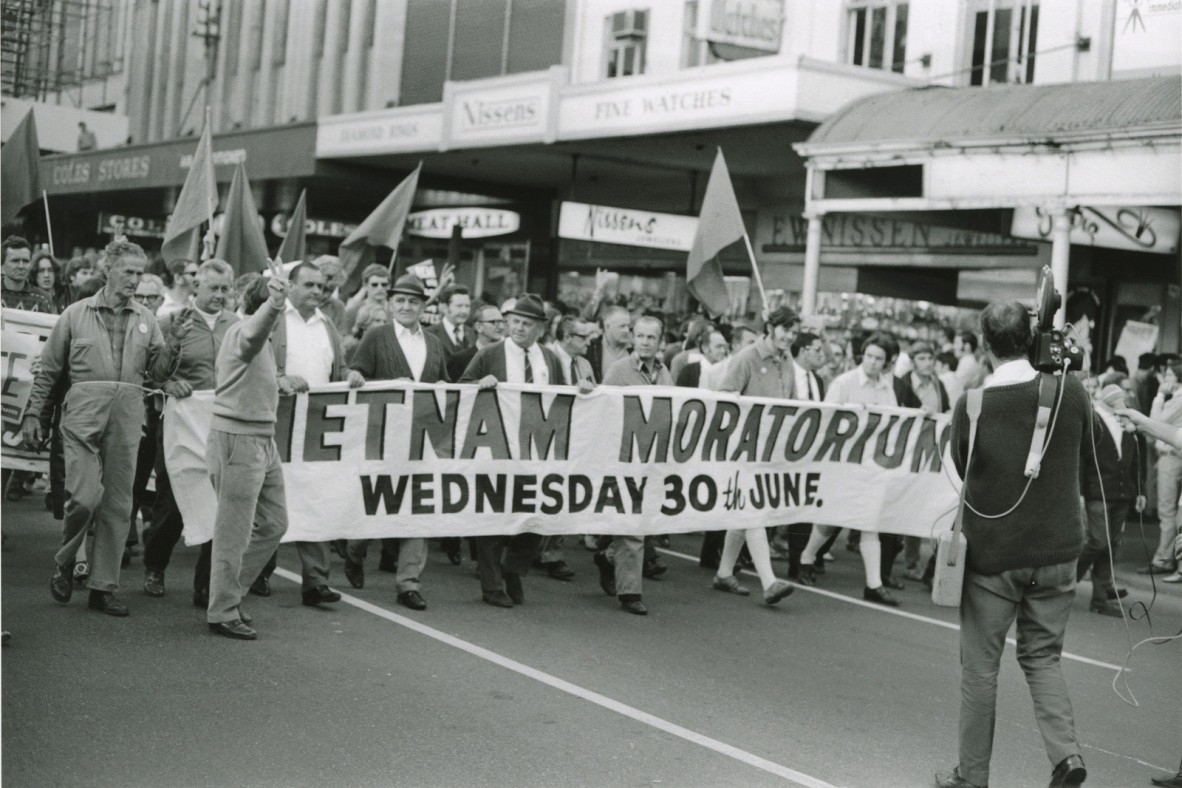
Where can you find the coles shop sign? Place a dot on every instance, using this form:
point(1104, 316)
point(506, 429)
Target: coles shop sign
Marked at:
point(475, 222)
point(400, 459)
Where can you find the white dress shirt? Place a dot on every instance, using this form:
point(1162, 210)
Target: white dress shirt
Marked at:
point(1017, 371)
point(414, 347)
point(515, 363)
point(806, 385)
point(856, 388)
point(452, 331)
point(309, 347)
point(564, 362)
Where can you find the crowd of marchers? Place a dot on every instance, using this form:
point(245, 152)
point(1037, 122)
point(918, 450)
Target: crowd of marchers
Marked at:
point(125, 335)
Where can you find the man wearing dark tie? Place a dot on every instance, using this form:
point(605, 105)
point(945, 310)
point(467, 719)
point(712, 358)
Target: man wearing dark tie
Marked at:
point(503, 560)
point(402, 350)
point(452, 331)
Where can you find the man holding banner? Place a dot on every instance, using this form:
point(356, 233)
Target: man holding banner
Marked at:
point(503, 560)
point(107, 344)
point(402, 350)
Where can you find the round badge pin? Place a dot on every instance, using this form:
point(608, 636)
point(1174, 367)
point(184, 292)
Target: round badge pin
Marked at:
point(143, 328)
point(763, 370)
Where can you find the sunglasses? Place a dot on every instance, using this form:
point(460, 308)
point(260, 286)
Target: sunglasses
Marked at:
point(143, 297)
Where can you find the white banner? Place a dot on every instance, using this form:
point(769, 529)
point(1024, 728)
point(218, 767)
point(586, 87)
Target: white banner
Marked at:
point(23, 335)
point(403, 459)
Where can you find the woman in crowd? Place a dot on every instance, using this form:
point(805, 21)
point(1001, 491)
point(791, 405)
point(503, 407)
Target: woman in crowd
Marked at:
point(47, 275)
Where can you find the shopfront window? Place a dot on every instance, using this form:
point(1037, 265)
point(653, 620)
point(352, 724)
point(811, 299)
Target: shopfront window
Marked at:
point(1003, 44)
point(877, 33)
point(626, 43)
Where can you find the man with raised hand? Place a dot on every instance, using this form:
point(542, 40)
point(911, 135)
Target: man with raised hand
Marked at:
point(108, 345)
point(503, 560)
point(402, 350)
point(243, 458)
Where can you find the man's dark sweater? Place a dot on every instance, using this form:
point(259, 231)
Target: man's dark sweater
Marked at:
point(1046, 528)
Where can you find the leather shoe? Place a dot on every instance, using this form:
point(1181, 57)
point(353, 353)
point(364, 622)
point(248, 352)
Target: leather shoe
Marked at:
point(559, 570)
point(1069, 773)
point(1117, 593)
point(320, 595)
point(513, 587)
point(354, 573)
point(891, 582)
point(105, 602)
point(1168, 782)
point(497, 599)
point(235, 629)
point(1154, 569)
point(201, 598)
point(880, 596)
point(1106, 609)
point(607, 573)
point(412, 599)
point(61, 585)
point(632, 604)
point(154, 583)
point(247, 618)
point(953, 780)
point(729, 584)
point(777, 591)
point(808, 575)
point(653, 569)
point(261, 586)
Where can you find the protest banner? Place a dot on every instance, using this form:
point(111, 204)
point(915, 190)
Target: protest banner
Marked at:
point(23, 334)
point(403, 459)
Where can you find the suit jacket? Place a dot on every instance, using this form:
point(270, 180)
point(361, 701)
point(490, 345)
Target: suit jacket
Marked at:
point(279, 348)
point(1119, 474)
point(818, 382)
point(380, 357)
point(490, 360)
point(907, 397)
point(457, 363)
point(689, 376)
point(450, 348)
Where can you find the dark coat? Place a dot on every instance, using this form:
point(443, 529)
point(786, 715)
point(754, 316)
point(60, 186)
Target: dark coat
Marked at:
point(380, 357)
point(450, 348)
point(1120, 476)
point(490, 360)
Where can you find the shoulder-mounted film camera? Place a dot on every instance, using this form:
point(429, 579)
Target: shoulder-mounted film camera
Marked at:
point(1051, 347)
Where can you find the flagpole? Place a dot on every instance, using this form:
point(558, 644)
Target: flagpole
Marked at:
point(209, 234)
point(755, 268)
point(48, 225)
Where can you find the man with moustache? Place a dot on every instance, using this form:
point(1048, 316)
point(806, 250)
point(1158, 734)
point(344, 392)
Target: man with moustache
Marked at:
point(503, 560)
point(402, 350)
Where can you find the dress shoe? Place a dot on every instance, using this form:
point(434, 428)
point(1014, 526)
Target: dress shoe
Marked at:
point(247, 618)
point(513, 587)
point(1174, 578)
point(1168, 782)
point(320, 595)
point(412, 599)
point(730, 585)
point(1106, 608)
point(819, 564)
point(558, 570)
point(235, 629)
point(630, 603)
point(914, 573)
point(654, 569)
point(154, 583)
point(1069, 773)
point(105, 602)
point(880, 596)
point(354, 573)
point(1117, 593)
point(261, 586)
point(607, 573)
point(953, 780)
point(1155, 569)
point(201, 598)
point(891, 582)
point(497, 599)
point(777, 591)
point(808, 575)
point(61, 585)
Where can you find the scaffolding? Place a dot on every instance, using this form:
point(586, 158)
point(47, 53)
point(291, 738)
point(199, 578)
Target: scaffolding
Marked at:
point(52, 46)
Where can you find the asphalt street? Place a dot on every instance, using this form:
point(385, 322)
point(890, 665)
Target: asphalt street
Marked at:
point(709, 689)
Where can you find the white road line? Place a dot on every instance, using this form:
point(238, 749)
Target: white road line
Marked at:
point(671, 728)
point(903, 613)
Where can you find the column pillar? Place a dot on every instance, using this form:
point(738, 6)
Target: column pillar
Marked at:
point(812, 264)
point(1060, 257)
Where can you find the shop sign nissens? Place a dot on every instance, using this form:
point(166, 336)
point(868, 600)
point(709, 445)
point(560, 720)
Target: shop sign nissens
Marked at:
point(502, 110)
point(754, 24)
point(785, 232)
point(582, 222)
point(132, 226)
point(1141, 229)
point(322, 228)
point(475, 222)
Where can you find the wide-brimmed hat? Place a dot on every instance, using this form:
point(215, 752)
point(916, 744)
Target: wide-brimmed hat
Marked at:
point(529, 305)
point(409, 284)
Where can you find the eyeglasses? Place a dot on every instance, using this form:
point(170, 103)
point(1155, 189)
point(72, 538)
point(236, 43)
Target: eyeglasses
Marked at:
point(499, 322)
point(147, 297)
point(584, 336)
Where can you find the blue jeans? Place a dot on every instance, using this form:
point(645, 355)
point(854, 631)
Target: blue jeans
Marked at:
point(1040, 598)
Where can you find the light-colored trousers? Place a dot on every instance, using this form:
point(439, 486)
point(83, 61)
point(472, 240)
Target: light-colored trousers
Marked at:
point(1169, 485)
point(412, 558)
point(251, 516)
point(627, 554)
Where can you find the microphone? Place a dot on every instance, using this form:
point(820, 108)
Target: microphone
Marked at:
point(1113, 396)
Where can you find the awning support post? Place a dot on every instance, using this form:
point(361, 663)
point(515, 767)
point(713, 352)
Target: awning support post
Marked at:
point(812, 265)
point(1060, 257)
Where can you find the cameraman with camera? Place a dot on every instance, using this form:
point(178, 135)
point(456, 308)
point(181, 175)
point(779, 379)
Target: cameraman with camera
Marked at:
point(1024, 532)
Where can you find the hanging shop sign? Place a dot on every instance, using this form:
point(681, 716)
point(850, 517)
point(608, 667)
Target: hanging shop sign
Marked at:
point(1138, 228)
point(131, 226)
point(753, 24)
point(475, 222)
point(581, 222)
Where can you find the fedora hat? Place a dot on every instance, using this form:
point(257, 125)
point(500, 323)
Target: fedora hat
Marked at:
point(409, 284)
point(529, 305)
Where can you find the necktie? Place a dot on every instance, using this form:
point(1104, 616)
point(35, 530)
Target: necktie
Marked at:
point(812, 386)
point(529, 372)
point(459, 335)
point(574, 372)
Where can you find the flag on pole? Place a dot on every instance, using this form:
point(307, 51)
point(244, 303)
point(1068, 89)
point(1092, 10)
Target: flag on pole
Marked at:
point(20, 169)
point(719, 226)
point(295, 246)
point(196, 203)
point(383, 227)
point(241, 243)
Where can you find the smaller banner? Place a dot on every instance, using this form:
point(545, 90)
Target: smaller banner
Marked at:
point(23, 334)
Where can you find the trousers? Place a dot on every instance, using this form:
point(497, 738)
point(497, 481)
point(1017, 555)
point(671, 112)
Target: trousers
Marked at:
point(251, 516)
point(1040, 599)
point(412, 558)
point(161, 536)
point(1097, 553)
point(100, 429)
point(497, 554)
point(1169, 486)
